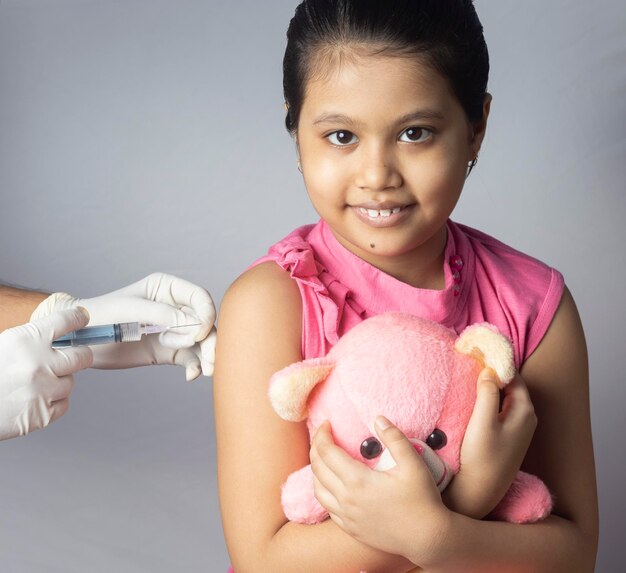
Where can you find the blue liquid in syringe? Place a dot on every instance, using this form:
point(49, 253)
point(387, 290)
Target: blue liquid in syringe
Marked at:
point(104, 334)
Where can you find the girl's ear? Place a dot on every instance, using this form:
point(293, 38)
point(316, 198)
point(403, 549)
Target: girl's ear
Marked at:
point(479, 128)
point(485, 343)
point(291, 386)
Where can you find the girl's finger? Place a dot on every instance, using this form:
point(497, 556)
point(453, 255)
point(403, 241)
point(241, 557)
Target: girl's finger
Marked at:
point(401, 449)
point(335, 458)
point(326, 498)
point(516, 398)
point(323, 473)
point(487, 405)
point(336, 519)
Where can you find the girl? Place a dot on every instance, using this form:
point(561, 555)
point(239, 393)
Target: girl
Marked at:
point(388, 106)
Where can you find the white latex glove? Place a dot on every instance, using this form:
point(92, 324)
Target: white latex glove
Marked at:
point(36, 379)
point(157, 299)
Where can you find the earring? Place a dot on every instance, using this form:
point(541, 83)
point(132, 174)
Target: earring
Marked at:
point(472, 164)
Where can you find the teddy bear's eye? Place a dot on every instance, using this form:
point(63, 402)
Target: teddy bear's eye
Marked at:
point(371, 448)
point(437, 440)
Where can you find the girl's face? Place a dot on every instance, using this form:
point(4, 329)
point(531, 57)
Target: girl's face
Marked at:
point(384, 148)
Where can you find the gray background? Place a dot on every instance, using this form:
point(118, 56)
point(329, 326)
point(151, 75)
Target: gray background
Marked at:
point(148, 135)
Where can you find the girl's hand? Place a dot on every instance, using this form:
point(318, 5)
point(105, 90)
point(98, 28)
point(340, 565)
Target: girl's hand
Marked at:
point(398, 511)
point(494, 446)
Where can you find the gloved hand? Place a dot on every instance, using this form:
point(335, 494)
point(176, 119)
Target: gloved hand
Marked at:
point(157, 299)
point(36, 379)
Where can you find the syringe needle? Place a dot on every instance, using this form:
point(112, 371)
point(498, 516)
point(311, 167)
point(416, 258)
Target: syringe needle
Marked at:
point(184, 325)
point(158, 329)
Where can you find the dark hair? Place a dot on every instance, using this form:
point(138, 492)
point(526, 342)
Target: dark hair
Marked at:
point(446, 33)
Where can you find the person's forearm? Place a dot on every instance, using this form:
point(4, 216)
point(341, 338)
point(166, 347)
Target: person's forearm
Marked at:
point(323, 548)
point(16, 305)
point(554, 544)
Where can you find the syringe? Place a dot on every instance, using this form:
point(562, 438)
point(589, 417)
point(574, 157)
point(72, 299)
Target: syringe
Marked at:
point(108, 333)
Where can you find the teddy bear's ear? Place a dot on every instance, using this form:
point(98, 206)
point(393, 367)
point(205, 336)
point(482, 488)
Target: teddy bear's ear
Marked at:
point(291, 386)
point(485, 343)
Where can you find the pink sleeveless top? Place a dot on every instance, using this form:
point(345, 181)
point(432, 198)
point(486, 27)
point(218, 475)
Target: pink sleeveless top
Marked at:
point(485, 281)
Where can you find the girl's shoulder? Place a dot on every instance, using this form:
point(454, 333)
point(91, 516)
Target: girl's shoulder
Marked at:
point(515, 291)
point(499, 263)
point(260, 315)
point(487, 246)
point(265, 284)
point(269, 281)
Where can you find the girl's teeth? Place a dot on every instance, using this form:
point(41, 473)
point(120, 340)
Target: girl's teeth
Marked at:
point(373, 213)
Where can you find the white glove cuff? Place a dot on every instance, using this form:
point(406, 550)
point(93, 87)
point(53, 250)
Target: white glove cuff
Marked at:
point(56, 301)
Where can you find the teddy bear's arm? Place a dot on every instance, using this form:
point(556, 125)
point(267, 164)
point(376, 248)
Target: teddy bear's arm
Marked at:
point(526, 501)
point(298, 499)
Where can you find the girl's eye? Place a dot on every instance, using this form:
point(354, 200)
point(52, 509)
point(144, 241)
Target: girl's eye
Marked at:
point(415, 134)
point(342, 137)
point(437, 440)
point(371, 448)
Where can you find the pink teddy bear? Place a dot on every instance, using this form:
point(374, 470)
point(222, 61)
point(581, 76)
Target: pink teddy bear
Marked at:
point(418, 374)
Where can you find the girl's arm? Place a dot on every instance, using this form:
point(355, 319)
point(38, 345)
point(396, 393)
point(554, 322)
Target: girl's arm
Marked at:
point(259, 333)
point(561, 453)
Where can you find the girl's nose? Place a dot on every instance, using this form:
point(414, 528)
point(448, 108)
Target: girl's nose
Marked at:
point(377, 171)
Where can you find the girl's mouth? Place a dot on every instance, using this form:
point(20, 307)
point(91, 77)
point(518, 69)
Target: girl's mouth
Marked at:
point(387, 217)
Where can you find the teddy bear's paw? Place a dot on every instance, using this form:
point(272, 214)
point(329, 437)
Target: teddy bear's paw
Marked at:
point(527, 500)
point(298, 499)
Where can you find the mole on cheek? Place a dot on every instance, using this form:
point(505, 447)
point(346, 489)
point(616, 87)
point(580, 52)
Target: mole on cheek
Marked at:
point(372, 245)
